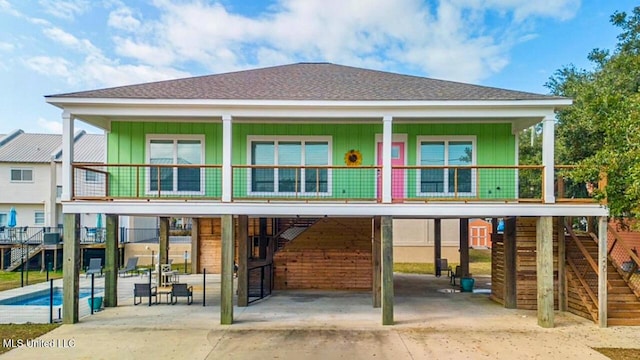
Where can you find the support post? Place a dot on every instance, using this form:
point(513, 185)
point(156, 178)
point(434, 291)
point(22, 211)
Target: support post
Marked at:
point(195, 266)
point(226, 296)
point(376, 252)
point(242, 239)
point(437, 245)
point(71, 269)
point(548, 141)
point(464, 246)
point(163, 248)
point(227, 170)
point(387, 138)
point(387, 269)
point(67, 156)
point(602, 272)
point(562, 278)
point(544, 270)
point(111, 262)
point(510, 252)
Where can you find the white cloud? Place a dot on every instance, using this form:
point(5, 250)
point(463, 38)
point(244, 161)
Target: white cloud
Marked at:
point(64, 38)
point(65, 9)
point(449, 40)
point(123, 19)
point(51, 66)
point(50, 126)
point(7, 47)
point(452, 39)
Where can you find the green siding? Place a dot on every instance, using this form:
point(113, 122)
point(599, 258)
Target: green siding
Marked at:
point(126, 144)
point(495, 145)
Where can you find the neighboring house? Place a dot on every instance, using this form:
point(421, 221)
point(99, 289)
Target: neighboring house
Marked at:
point(480, 234)
point(351, 150)
point(30, 168)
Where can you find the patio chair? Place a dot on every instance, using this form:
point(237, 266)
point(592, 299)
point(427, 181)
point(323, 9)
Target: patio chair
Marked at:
point(444, 266)
point(144, 290)
point(130, 268)
point(455, 274)
point(95, 267)
point(181, 290)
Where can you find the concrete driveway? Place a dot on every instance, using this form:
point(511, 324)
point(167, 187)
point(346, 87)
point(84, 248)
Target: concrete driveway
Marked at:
point(430, 324)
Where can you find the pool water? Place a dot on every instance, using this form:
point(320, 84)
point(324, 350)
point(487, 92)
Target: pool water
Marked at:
point(41, 298)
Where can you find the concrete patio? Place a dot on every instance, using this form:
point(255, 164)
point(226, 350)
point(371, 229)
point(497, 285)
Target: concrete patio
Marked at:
point(430, 323)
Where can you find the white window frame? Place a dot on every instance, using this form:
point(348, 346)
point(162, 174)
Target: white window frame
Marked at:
point(35, 217)
point(446, 140)
point(175, 139)
point(22, 170)
point(290, 138)
point(93, 179)
point(6, 218)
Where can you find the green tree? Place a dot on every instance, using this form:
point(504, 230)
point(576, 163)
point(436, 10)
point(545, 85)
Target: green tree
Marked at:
point(601, 131)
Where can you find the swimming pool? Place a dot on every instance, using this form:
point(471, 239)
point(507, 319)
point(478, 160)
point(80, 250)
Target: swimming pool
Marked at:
point(41, 297)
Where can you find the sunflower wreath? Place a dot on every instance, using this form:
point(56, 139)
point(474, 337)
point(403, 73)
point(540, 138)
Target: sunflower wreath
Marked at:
point(353, 158)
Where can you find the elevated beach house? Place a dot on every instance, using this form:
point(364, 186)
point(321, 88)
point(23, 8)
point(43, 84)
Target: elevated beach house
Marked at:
point(260, 158)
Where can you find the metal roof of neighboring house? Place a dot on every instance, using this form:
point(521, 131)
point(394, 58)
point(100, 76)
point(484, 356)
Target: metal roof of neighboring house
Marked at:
point(40, 148)
point(309, 81)
point(89, 148)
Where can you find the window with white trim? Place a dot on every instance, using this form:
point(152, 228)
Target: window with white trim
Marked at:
point(3, 219)
point(301, 153)
point(21, 175)
point(447, 153)
point(174, 150)
point(91, 176)
point(38, 218)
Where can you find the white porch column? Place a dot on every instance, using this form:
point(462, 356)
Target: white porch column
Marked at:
point(548, 145)
point(67, 155)
point(227, 171)
point(387, 139)
point(602, 272)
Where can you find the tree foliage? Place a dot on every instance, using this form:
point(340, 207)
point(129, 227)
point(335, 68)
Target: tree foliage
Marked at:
point(601, 131)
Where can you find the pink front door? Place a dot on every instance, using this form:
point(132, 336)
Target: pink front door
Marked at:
point(397, 175)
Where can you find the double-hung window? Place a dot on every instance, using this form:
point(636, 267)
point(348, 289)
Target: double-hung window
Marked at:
point(38, 218)
point(21, 175)
point(290, 165)
point(448, 160)
point(177, 150)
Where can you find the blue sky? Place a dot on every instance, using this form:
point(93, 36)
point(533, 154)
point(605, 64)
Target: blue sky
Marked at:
point(56, 46)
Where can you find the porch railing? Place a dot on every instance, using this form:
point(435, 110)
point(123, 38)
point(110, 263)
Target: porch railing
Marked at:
point(468, 183)
point(523, 183)
point(569, 190)
point(144, 181)
point(342, 183)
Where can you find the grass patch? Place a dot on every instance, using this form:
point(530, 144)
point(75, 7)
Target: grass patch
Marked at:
point(23, 332)
point(11, 280)
point(479, 264)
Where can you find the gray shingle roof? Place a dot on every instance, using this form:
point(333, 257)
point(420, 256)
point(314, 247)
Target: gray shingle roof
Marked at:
point(39, 148)
point(309, 81)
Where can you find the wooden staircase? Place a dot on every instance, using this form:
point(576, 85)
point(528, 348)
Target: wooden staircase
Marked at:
point(623, 306)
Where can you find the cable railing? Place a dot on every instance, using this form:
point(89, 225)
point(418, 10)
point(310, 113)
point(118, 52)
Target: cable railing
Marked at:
point(581, 261)
point(468, 183)
point(569, 190)
point(308, 183)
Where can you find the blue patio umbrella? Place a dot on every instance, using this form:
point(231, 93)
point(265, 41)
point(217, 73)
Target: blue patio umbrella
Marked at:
point(13, 217)
point(99, 221)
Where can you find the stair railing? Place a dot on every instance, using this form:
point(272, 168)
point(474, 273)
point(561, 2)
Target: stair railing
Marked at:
point(624, 259)
point(584, 267)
